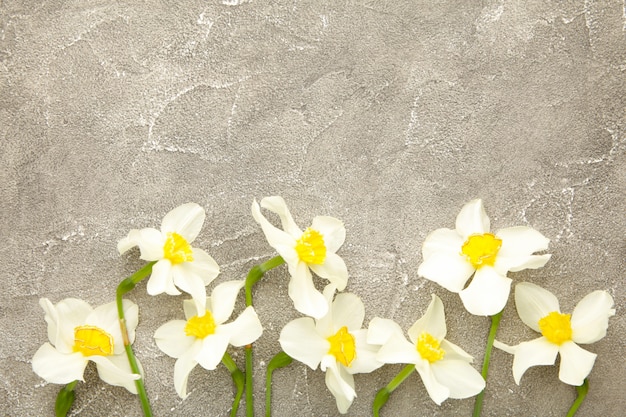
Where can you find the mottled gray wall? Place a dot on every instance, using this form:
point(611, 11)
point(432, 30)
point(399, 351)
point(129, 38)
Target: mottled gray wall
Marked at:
point(389, 115)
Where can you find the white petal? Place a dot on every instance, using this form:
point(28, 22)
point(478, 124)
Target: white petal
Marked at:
point(398, 350)
point(172, 340)
point(186, 220)
point(454, 352)
point(365, 360)
point(203, 265)
point(223, 298)
point(161, 280)
point(519, 263)
point(576, 363)
point(129, 242)
point(245, 329)
point(534, 303)
point(521, 241)
point(487, 294)
point(300, 340)
point(533, 353)
point(277, 205)
point(348, 310)
point(62, 319)
point(432, 322)
point(182, 369)
point(306, 299)
point(340, 383)
point(450, 270)
point(436, 390)
point(191, 310)
point(212, 350)
point(332, 230)
point(590, 318)
point(151, 243)
point(442, 240)
point(333, 269)
point(460, 377)
point(381, 330)
point(472, 219)
point(116, 372)
point(277, 238)
point(505, 347)
point(57, 367)
point(191, 284)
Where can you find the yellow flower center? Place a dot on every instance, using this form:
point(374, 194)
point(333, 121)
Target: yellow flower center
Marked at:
point(311, 248)
point(342, 346)
point(556, 327)
point(200, 327)
point(428, 348)
point(176, 249)
point(481, 250)
point(92, 340)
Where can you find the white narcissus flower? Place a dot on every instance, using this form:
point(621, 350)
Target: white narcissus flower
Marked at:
point(79, 334)
point(539, 309)
point(203, 337)
point(443, 366)
point(314, 249)
point(451, 257)
point(336, 342)
point(178, 264)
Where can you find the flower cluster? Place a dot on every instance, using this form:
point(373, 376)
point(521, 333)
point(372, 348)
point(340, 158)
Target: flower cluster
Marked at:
point(469, 260)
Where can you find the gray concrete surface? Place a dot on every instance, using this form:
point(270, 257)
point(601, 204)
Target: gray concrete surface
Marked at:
point(389, 115)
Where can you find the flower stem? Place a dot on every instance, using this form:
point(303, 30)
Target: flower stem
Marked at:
point(238, 380)
point(279, 361)
point(64, 400)
point(125, 286)
point(255, 274)
point(582, 393)
point(383, 394)
point(495, 322)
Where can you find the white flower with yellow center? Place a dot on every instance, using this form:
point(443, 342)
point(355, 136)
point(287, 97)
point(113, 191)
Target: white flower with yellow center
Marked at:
point(539, 309)
point(443, 366)
point(203, 337)
point(312, 249)
point(451, 257)
point(178, 264)
point(336, 342)
point(79, 334)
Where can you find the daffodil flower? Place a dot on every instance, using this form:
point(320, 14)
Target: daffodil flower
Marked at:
point(560, 333)
point(203, 337)
point(304, 251)
point(443, 366)
point(451, 257)
point(78, 334)
point(178, 264)
point(335, 342)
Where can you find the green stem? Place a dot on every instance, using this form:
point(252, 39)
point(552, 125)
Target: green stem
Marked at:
point(64, 400)
point(255, 274)
point(495, 322)
point(279, 361)
point(238, 380)
point(582, 393)
point(383, 394)
point(125, 286)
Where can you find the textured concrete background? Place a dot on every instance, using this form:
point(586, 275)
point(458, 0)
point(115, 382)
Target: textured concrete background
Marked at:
point(389, 115)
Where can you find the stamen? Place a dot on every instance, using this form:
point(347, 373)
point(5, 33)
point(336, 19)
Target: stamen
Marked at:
point(176, 249)
point(481, 250)
point(92, 340)
point(556, 327)
point(342, 346)
point(311, 248)
point(428, 348)
point(200, 327)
